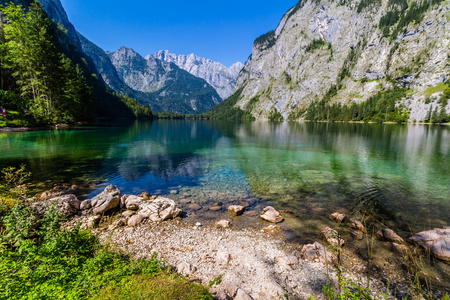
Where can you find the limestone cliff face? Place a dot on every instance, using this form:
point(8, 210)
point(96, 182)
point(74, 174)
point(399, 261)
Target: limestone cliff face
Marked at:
point(221, 78)
point(321, 43)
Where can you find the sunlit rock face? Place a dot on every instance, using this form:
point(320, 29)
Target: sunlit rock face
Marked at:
point(284, 73)
point(173, 89)
point(221, 78)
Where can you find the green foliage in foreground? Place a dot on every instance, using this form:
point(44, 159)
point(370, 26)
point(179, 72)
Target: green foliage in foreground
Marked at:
point(55, 263)
point(381, 107)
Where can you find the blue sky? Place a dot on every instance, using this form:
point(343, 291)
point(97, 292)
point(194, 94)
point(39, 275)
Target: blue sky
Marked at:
point(223, 31)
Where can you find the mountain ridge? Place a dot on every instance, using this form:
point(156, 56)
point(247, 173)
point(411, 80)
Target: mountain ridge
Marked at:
point(220, 77)
point(347, 53)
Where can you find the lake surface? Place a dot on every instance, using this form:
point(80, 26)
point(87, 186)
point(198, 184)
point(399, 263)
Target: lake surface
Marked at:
point(398, 173)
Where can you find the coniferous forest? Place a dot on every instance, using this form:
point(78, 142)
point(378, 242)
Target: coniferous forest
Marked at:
point(43, 80)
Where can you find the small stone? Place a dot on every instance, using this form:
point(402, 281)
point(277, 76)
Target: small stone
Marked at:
point(153, 197)
point(288, 262)
point(231, 289)
point(195, 206)
point(145, 196)
point(241, 295)
point(186, 269)
point(185, 201)
point(236, 210)
point(198, 224)
point(271, 215)
point(85, 205)
point(355, 233)
point(215, 208)
point(218, 204)
point(173, 192)
point(338, 217)
point(128, 213)
point(223, 224)
point(223, 256)
point(135, 220)
point(272, 229)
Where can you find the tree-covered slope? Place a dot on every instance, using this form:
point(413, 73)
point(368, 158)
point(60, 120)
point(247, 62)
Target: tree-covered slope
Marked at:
point(45, 76)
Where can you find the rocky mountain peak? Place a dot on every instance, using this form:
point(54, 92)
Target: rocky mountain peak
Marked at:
point(221, 78)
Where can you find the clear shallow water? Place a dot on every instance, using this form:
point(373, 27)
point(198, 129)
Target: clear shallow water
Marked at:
point(399, 172)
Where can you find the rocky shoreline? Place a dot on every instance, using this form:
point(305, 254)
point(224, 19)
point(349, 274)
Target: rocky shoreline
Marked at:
point(237, 263)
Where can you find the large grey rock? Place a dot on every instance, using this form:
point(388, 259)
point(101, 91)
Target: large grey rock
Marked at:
point(68, 205)
point(106, 200)
point(160, 209)
point(271, 215)
point(437, 241)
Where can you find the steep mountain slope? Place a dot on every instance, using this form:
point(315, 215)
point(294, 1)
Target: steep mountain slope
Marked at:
point(221, 78)
point(107, 102)
point(173, 89)
point(346, 52)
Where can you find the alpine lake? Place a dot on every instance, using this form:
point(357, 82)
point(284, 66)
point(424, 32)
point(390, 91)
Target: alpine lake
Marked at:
point(398, 175)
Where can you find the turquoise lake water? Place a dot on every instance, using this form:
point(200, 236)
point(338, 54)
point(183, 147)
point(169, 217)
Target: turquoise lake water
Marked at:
point(401, 173)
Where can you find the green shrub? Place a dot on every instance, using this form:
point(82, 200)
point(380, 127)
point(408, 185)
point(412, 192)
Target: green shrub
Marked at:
point(50, 262)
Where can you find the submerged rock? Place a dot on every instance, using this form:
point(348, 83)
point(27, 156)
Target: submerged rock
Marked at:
point(271, 215)
point(106, 200)
point(332, 236)
point(223, 224)
point(356, 224)
point(68, 205)
point(437, 241)
point(160, 209)
point(58, 191)
point(389, 235)
point(272, 229)
point(236, 210)
point(338, 217)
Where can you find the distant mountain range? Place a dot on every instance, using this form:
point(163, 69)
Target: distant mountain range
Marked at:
point(221, 78)
point(165, 82)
